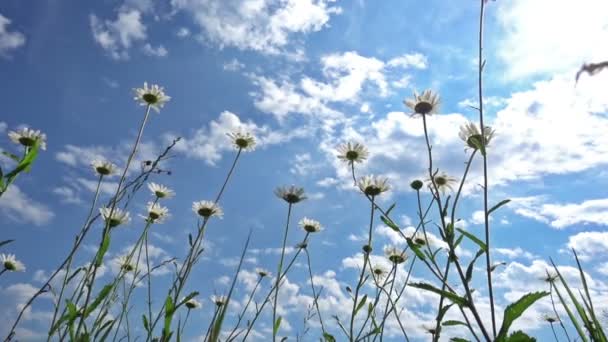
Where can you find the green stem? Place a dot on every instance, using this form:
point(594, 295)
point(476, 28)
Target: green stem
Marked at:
point(278, 285)
point(314, 293)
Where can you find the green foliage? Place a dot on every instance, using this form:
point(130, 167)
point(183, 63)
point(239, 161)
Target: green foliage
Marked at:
point(456, 299)
point(514, 310)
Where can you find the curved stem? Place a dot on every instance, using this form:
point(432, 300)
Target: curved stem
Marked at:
point(279, 269)
point(314, 293)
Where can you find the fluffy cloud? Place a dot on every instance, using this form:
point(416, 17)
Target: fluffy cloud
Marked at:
point(116, 37)
point(589, 244)
point(159, 51)
point(19, 207)
point(9, 40)
point(259, 25)
point(562, 215)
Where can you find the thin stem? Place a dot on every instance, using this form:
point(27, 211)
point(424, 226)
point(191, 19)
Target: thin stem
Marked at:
point(481, 64)
point(4, 270)
point(242, 314)
point(276, 295)
point(314, 293)
point(554, 334)
point(555, 311)
point(388, 300)
point(149, 277)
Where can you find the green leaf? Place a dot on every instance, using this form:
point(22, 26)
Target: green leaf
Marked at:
point(514, 310)
point(11, 156)
point(473, 238)
point(469, 274)
point(388, 211)
point(100, 297)
point(187, 298)
point(598, 331)
point(102, 250)
point(415, 249)
point(328, 337)
point(5, 242)
point(276, 326)
point(24, 164)
point(390, 223)
point(360, 305)
point(458, 339)
point(456, 299)
point(451, 323)
point(169, 311)
point(498, 205)
point(145, 321)
point(519, 336)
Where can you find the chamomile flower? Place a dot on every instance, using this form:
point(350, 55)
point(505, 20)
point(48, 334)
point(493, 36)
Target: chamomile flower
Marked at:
point(153, 96)
point(426, 103)
point(291, 195)
point(193, 304)
point(379, 272)
point(28, 137)
point(352, 152)
point(262, 272)
point(160, 190)
point(373, 185)
point(115, 218)
point(419, 239)
point(395, 255)
point(549, 318)
point(310, 225)
point(430, 328)
point(10, 263)
point(206, 209)
point(443, 182)
point(156, 213)
point(218, 300)
point(104, 167)
point(244, 141)
point(469, 133)
point(125, 264)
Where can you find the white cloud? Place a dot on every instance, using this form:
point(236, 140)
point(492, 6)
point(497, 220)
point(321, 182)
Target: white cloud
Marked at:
point(9, 40)
point(116, 37)
point(572, 30)
point(159, 51)
point(233, 65)
point(414, 60)
point(183, 32)
point(594, 211)
point(18, 206)
point(67, 194)
point(589, 244)
point(259, 25)
point(514, 253)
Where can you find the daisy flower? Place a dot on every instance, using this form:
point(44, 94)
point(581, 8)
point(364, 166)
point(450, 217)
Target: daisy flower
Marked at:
point(419, 239)
point(291, 195)
point(352, 152)
point(379, 272)
point(10, 263)
point(373, 186)
point(125, 264)
point(218, 300)
point(242, 140)
point(160, 190)
point(310, 226)
point(469, 133)
point(395, 255)
point(193, 304)
point(443, 182)
point(153, 96)
point(156, 213)
point(104, 167)
point(117, 217)
point(207, 209)
point(425, 103)
point(262, 272)
point(28, 137)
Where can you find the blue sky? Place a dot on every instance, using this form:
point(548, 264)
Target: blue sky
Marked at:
point(305, 76)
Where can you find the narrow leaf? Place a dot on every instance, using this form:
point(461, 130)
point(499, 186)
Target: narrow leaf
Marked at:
point(498, 205)
point(449, 295)
point(514, 310)
point(474, 238)
point(390, 223)
point(415, 249)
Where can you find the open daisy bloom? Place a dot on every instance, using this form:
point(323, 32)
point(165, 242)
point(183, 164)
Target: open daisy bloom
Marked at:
point(193, 304)
point(443, 182)
point(470, 134)
point(104, 168)
point(10, 263)
point(125, 264)
point(426, 103)
point(262, 272)
point(291, 195)
point(156, 213)
point(310, 226)
point(244, 141)
point(160, 190)
point(116, 217)
point(352, 152)
point(373, 185)
point(395, 255)
point(153, 96)
point(379, 272)
point(28, 137)
point(218, 300)
point(206, 209)
point(419, 239)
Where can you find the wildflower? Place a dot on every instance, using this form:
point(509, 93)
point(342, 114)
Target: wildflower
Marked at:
point(156, 213)
point(193, 304)
point(310, 226)
point(549, 318)
point(302, 245)
point(114, 217)
point(262, 272)
point(425, 103)
point(160, 190)
point(550, 277)
point(207, 209)
point(379, 272)
point(430, 328)
point(470, 134)
point(104, 167)
point(218, 300)
point(153, 96)
point(373, 186)
point(352, 152)
point(367, 249)
point(28, 137)
point(125, 263)
point(395, 255)
point(10, 263)
point(243, 141)
point(416, 184)
point(291, 195)
point(419, 239)
point(444, 182)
